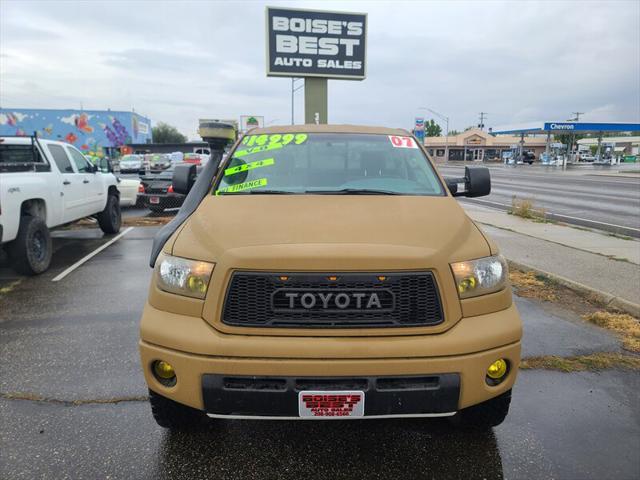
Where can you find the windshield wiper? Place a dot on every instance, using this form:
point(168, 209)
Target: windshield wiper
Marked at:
point(352, 191)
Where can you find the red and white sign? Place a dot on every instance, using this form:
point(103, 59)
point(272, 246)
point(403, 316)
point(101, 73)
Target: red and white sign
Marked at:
point(402, 142)
point(331, 404)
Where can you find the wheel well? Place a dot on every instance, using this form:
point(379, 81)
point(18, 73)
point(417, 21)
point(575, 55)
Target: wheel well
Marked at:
point(113, 191)
point(35, 207)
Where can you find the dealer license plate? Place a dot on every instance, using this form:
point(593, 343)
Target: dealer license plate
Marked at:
point(154, 200)
point(330, 404)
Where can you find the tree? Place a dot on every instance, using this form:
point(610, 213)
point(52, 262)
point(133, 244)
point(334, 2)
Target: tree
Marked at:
point(432, 129)
point(165, 133)
point(453, 133)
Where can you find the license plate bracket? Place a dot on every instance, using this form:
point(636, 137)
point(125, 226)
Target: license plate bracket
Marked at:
point(323, 404)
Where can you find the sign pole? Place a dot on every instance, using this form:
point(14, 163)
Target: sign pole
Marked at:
point(315, 100)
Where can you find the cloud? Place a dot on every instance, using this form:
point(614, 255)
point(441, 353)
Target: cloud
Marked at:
point(519, 61)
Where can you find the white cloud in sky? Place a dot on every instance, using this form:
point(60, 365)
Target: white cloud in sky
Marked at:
point(180, 61)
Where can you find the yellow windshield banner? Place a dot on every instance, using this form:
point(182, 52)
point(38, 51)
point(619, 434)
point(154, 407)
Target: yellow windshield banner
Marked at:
point(265, 143)
point(259, 149)
point(249, 166)
point(261, 182)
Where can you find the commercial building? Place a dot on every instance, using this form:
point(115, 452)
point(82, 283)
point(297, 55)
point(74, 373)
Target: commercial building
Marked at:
point(620, 146)
point(92, 131)
point(477, 145)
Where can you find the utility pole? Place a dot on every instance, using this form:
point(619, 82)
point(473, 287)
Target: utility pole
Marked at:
point(482, 117)
point(577, 116)
point(294, 89)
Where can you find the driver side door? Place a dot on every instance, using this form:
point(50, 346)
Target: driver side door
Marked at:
point(91, 181)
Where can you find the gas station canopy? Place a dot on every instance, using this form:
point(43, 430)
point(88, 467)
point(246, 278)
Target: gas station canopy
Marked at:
point(569, 127)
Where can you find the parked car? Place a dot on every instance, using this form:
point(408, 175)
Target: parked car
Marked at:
point(159, 161)
point(156, 192)
point(44, 184)
point(331, 276)
point(128, 188)
point(131, 163)
point(194, 158)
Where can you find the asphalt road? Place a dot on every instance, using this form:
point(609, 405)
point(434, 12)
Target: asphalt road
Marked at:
point(72, 398)
point(575, 196)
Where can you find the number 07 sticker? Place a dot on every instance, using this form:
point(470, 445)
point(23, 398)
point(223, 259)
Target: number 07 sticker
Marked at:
point(402, 142)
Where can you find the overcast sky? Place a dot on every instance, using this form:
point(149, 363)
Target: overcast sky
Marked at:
point(179, 61)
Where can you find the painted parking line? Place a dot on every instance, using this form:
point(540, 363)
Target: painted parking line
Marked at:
point(91, 255)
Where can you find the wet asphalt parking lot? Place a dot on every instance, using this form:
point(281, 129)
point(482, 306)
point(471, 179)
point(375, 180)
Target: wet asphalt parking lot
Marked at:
point(72, 398)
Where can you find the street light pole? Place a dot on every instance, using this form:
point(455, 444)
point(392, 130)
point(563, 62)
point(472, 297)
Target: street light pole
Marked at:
point(446, 136)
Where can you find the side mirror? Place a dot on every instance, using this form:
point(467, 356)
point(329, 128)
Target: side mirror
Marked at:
point(476, 180)
point(184, 176)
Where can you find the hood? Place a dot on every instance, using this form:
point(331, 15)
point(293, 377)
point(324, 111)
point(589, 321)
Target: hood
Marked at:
point(329, 231)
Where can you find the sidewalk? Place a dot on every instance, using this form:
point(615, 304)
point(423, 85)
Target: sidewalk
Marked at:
point(583, 259)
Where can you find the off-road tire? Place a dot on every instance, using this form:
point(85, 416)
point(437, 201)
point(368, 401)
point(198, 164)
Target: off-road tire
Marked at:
point(173, 415)
point(484, 415)
point(110, 218)
point(30, 252)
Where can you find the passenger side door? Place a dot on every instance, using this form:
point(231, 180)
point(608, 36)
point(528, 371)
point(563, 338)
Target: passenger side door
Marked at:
point(71, 186)
point(91, 181)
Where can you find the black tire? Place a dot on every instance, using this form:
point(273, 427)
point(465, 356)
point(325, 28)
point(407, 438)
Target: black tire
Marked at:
point(110, 218)
point(484, 415)
point(30, 252)
point(173, 415)
point(157, 209)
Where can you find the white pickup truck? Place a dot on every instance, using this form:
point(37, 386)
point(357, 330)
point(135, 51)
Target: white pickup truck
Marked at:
point(44, 184)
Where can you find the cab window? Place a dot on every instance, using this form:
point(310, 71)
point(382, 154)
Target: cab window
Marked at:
point(82, 164)
point(61, 158)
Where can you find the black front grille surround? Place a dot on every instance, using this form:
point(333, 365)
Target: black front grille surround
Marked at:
point(278, 396)
point(408, 299)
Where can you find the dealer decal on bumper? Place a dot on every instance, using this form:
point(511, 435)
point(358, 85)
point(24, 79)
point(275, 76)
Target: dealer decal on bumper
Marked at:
point(312, 403)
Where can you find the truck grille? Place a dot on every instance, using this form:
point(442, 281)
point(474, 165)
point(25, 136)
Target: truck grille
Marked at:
point(398, 299)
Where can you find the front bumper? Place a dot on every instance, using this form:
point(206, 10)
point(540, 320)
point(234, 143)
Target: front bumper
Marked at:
point(466, 351)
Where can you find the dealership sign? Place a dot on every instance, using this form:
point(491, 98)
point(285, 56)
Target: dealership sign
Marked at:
point(418, 130)
point(248, 122)
point(308, 43)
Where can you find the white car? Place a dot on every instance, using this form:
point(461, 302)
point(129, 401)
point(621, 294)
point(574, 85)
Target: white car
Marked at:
point(44, 184)
point(131, 163)
point(129, 189)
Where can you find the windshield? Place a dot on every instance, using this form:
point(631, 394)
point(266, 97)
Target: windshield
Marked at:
point(130, 158)
point(328, 163)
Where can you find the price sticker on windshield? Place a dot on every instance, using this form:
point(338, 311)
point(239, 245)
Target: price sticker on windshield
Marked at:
point(402, 142)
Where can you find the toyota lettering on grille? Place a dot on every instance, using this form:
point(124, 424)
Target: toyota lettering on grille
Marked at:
point(333, 300)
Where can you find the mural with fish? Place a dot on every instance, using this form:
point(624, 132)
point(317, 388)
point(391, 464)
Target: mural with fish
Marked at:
point(88, 130)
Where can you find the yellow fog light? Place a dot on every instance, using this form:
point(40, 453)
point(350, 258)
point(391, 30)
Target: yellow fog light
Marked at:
point(164, 373)
point(497, 369)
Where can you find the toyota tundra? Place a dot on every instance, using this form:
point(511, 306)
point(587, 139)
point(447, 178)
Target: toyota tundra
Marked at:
point(327, 272)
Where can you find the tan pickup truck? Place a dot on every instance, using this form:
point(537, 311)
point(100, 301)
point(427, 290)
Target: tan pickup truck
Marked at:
point(327, 272)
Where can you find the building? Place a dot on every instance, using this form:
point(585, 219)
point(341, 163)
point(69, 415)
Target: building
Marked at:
point(477, 145)
point(621, 146)
point(92, 131)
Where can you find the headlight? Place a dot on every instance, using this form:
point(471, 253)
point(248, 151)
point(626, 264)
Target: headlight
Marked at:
point(481, 276)
point(183, 276)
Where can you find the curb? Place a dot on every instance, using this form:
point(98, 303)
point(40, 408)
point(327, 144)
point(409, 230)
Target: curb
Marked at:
point(606, 299)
